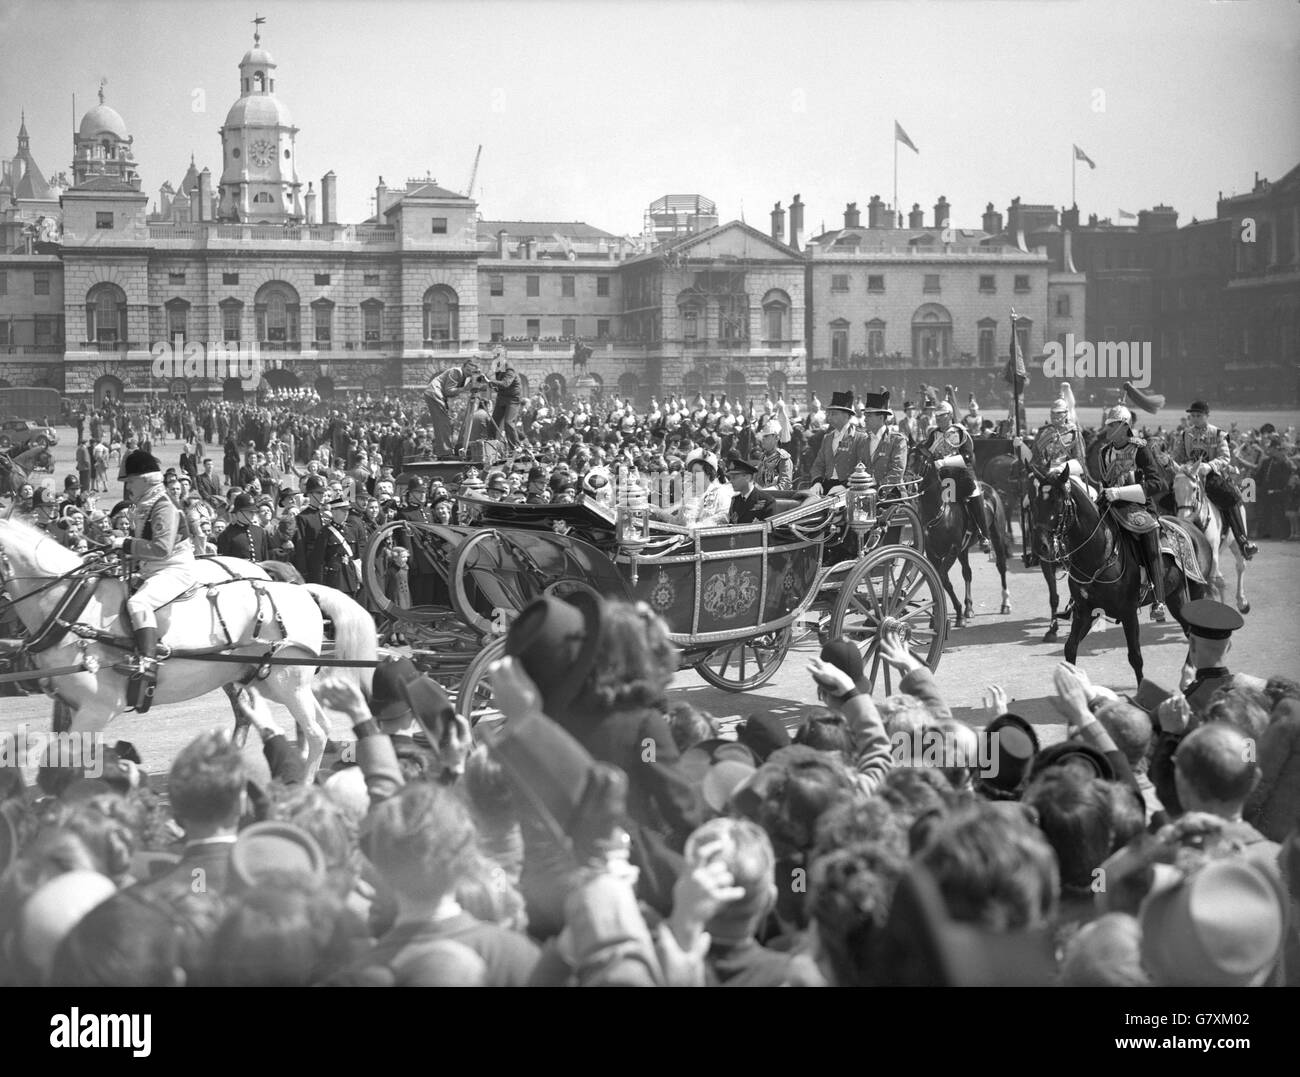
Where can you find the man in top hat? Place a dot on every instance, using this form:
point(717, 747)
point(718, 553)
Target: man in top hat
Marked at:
point(951, 446)
point(750, 505)
point(775, 468)
point(842, 449)
point(886, 449)
point(243, 537)
point(1200, 442)
point(1132, 480)
point(160, 546)
point(308, 524)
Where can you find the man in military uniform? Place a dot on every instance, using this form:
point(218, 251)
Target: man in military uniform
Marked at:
point(1210, 626)
point(243, 537)
point(1059, 441)
point(160, 549)
point(335, 558)
point(1200, 442)
point(423, 569)
point(1131, 481)
point(750, 505)
point(308, 525)
point(951, 446)
point(886, 450)
point(775, 468)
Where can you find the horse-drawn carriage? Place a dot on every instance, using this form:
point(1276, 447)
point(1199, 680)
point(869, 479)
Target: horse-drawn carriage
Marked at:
point(734, 598)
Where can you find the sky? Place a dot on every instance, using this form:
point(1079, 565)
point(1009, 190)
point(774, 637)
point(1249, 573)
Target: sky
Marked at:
point(591, 110)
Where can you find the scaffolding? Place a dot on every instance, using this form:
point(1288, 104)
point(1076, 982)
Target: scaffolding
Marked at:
point(677, 215)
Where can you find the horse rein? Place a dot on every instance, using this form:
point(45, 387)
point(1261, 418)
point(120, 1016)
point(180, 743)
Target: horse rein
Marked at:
point(1058, 541)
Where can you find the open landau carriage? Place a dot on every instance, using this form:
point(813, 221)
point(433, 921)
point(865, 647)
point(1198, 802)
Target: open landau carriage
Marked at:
point(735, 598)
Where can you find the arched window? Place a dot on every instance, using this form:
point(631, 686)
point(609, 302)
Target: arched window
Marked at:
point(554, 388)
point(776, 316)
point(629, 386)
point(281, 379)
point(692, 385)
point(178, 311)
point(263, 198)
point(931, 335)
point(106, 314)
point(776, 383)
point(523, 385)
point(441, 315)
point(259, 81)
point(108, 389)
point(276, 307)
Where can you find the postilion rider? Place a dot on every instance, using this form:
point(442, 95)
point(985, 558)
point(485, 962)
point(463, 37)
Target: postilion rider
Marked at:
point(1200, 442)
point(159, 547)
point(951, 446)
point(1131, 480)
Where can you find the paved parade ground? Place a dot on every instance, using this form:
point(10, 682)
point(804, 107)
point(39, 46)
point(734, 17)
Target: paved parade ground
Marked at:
point(1006, 649)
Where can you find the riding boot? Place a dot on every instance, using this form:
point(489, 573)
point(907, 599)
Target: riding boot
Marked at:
point(1236, 520)
point(975, 513)
point(1155, 571)
point(140, 686)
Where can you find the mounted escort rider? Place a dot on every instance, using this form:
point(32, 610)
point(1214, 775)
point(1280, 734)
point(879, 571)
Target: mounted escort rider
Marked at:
point(951, 446)
point(1060, 440)
point(1132, 480)
point(159, 547)
point(1200, 442)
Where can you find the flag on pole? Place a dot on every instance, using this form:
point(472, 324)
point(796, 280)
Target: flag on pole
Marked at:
point(1079, 155)
point(1016, 374)
point(901, 136)
point(1125, 215)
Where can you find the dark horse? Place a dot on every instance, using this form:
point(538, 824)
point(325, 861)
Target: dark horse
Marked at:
point(1104, 565)
point(948, 537)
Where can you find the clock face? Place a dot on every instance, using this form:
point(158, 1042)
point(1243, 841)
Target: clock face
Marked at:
point(261, 152)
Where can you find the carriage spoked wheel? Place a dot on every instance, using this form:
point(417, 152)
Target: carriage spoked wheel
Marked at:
point(904, 519)
point(892, 586)
point(746, 664)
point(474, 698)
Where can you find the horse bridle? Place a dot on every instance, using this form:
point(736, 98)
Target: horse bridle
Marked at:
point(1061, 556)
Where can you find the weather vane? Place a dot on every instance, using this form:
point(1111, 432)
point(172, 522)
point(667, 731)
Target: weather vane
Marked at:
point(257, 23)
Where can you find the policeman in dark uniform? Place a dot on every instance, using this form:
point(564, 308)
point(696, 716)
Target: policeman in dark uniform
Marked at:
point(308, 525)
point(1210, 627)
point(243, 537)
point(750, 505)
point(334, 557)
point(423, 570)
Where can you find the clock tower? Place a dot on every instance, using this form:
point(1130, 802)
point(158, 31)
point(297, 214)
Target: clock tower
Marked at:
point(259, 175)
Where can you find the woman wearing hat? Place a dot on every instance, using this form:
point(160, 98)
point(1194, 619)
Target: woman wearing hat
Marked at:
point(161, 548)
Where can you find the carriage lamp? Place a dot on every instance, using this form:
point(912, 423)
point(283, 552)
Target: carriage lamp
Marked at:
point(633, 514)
point(861, 500)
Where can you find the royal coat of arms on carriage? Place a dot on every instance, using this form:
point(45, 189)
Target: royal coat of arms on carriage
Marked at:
point(729, 594)
point(663, 594)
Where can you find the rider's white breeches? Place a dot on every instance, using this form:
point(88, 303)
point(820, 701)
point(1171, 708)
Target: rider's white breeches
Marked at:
point(162, 584)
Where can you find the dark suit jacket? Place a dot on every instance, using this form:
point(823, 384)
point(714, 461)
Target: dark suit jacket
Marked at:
point(248, 541)
point(751, 508)
point(308, 524)
point(828, 464)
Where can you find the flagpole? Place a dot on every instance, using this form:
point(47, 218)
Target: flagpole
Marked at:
point(1074, 164)
point(1015, 379)
point(894, 208)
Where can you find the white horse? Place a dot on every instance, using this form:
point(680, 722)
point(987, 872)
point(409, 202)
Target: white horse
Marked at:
point(1192, 503)
point(250, 612)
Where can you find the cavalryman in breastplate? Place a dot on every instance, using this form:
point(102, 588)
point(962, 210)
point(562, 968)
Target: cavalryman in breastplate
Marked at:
point(1202, 442)
point(160, 548)
point(775, 469)
point(950, 446)
point(1060, 441)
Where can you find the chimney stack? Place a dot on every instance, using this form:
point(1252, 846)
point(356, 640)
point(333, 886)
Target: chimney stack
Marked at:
point(503, 249)
point(992, 220)
point(942, 213)
point(916, 219)
point(309, 203)
point(796, 223)
point(876, 213)
point(852, 218)
point(205, 196)
point(329, 198)
point(1069, 218)
point(778, 222)
point(381, 200)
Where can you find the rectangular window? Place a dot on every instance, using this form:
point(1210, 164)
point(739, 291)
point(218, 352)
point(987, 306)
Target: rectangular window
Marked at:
point(569, 328)
point(372, 316)
point(533, 285)
point(175, 278)
point(840, 282)
point(41, 282)
point(567, 287)
point(988, 346)
point(6, 334)
point(44, 330)
point(1063, 305)
point(103, 220)
point(875, 342)
point(839, 346)
point(498, 329)
point(175, 323)
point(322, 278)
point(370, 280)
point(1022, 282)
point(439, 226)
point(602, 287)
point(988, 283)
point(931, 282)
point(4, 282)
point(496, 284)
point(229, 278)
point(876, 284)
point(534, 327)
point(230, 323)
point(602, 329)
point(324, 324)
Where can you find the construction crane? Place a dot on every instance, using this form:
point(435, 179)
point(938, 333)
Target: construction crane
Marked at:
point(473, 173)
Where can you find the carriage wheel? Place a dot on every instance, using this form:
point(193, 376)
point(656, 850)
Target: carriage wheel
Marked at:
point(474, 697)
point(892, 585)
point(747, 664)
point(908, 522)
